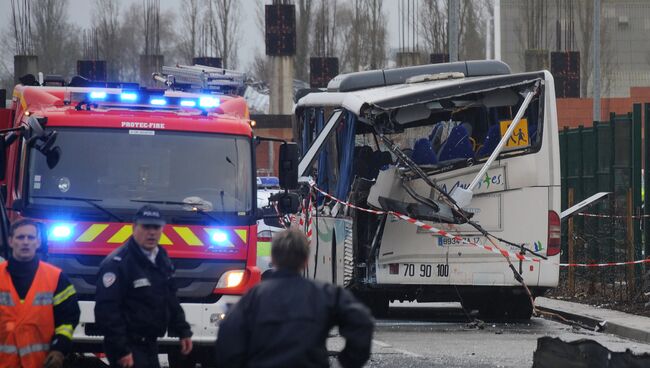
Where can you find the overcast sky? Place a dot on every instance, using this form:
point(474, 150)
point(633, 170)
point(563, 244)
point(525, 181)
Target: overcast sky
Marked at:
point(81, 11)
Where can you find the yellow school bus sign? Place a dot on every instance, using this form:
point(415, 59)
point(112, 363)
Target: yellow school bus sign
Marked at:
point(519, 136)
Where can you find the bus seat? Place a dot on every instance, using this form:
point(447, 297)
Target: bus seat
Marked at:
point(423, 153)
point(491, 141)
point(532, 133)
point(456, 146)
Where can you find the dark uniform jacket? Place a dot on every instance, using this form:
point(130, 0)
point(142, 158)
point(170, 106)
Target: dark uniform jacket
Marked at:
point(285, 320)
point(65, 303)
point(136, 300)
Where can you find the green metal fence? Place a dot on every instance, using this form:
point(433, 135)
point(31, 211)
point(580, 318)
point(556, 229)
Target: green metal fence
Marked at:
point(606, 157)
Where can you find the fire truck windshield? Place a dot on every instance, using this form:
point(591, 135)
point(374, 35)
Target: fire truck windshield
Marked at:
point(121, 167)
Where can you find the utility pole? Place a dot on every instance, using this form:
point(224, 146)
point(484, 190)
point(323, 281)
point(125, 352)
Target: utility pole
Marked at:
point(454, 28)
point(497, 29)
point(596, 53)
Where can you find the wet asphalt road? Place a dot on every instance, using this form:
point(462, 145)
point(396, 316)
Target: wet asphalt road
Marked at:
point(438, 335)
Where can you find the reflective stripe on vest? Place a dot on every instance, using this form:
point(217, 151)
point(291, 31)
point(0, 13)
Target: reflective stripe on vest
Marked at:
point(8, 349)
point(5, 299)
point(43, 298)
point(35, 348)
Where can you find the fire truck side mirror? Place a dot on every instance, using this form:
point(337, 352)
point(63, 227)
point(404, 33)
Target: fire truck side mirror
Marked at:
point(52, 157)
point(35, 129)
point(288, 165)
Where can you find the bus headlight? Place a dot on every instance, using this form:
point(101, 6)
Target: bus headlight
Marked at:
point(230, 279)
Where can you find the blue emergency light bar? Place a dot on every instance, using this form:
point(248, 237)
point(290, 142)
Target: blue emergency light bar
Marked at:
point(144, 98)
point(208, 101)
point(158, 101)
point(129, 96)
point(97, 95)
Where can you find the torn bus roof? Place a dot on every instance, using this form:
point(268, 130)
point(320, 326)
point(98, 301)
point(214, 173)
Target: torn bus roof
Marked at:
point(401, 95)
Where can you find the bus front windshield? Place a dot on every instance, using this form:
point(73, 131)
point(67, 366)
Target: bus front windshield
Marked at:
point(120, 170)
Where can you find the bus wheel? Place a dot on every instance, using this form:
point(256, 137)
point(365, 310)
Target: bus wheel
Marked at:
point(492, 309)
point(519, 307)
point(378, 304)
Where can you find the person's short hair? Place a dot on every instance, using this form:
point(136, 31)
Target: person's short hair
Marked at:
point(24, 222)
point(290, 250)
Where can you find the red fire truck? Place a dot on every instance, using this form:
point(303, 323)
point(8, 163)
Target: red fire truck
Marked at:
point(83, 157)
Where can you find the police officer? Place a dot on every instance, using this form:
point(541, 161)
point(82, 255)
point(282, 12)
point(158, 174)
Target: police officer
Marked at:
point(285, 320)
point(136, 297)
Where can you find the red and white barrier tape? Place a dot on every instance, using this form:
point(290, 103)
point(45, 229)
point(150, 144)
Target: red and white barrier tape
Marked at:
point(583, 214)
point(427, 227)
point(310, 221)
point(459, 239)
point(608, 264)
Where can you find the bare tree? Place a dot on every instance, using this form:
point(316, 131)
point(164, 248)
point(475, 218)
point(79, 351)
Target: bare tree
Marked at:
point(56, 41)
point(151, 21)
point(191, 24)
point(106, 17)
point(325, 29)
point(362, 29)
point(226, 30)
point(377, 34)
point(585, 13)
point(472, 30)
point(433, 25)
point(130, 39)
point(22, 27)
point(303, 24)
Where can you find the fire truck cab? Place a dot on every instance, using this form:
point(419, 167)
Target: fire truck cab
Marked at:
point(83, 159)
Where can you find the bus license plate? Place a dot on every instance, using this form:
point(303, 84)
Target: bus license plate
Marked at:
point(424, 270)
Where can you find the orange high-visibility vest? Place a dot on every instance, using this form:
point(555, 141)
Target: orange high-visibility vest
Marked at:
point(27, 326)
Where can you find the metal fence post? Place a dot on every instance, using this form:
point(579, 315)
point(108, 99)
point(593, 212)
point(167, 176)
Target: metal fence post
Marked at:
point(629, 249)
point(571, 245)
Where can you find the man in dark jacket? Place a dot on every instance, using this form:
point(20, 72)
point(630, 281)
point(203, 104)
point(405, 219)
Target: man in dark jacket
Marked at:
point(136, 298)
point(285, 320)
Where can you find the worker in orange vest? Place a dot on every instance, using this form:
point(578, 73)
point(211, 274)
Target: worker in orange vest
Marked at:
point(38, 305)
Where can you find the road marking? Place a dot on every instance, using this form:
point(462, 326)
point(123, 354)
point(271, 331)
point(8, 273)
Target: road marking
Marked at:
point(401, 351)
point(408, 353)
point(381, 343)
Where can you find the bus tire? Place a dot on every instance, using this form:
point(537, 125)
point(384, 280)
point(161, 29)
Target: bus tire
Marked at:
point(377, 303)
point(519, 307)
point(491, 310)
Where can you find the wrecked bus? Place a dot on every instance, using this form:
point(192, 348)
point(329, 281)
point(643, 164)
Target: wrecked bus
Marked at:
point(468, 148)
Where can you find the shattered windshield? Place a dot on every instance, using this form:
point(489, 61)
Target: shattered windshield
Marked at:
point(123, 168)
